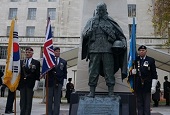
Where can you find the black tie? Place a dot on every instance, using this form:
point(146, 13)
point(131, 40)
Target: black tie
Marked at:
point(27, 62)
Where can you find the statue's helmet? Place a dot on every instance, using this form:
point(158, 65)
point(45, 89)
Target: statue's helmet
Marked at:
point(101, 9)
point(102, 6)
point(117, 47)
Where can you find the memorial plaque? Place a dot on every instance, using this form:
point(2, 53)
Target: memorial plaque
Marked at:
point(100, 105)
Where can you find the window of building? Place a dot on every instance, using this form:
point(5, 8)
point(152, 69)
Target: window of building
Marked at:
point(8, 31)
point(30, 30)
point(52, 13)
point(3, 52)
point(130, 30)
point(12, 13)
point(131, 10)
point(51, 0)
point(31, 13)
point(14, 0)
point(2, 68)
point(33, 0)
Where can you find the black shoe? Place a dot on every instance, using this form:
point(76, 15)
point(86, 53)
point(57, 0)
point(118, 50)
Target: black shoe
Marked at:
point(12, 111)
point(8, 112)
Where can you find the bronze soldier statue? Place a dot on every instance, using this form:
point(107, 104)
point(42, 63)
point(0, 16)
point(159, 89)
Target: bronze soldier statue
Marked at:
point(104, 44)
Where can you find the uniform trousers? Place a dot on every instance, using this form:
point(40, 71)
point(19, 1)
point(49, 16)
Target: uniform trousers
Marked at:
point(143, 103)
point(54, 97)
point(26, 96)
point(10, 101)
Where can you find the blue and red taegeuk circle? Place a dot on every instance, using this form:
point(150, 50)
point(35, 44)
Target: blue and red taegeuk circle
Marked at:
point(16, 55)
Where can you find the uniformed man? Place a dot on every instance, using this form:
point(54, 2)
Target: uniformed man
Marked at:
point(57, 78)
point(146, 80)
point(30, 76)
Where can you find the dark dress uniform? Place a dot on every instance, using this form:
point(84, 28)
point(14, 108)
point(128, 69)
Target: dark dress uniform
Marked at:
point(27, 81)
point(56, 78)
point(146, 71)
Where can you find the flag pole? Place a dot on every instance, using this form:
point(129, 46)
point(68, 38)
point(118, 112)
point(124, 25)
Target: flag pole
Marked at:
point(15, 103)
point(134, 80)
point(49, 58)
point(132, 58)
point(44, 86)
point(15, 91)
point(46, 76)
point(135, 55)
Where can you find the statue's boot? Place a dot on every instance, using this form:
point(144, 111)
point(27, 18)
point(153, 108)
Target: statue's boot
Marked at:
point(92, 92)
point(111, 93)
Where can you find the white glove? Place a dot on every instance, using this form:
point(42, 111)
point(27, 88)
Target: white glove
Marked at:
point(64, 84)
point(133, 71)
point(153, 88)
point(36, 85)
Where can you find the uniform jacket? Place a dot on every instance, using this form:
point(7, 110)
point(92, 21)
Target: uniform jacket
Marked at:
point(58, 73)
point(32, 73)
point(145, 73)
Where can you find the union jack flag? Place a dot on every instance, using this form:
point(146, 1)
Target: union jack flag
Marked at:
point(48, 53)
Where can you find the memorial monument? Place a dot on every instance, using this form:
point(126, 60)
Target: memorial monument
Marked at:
point(104, 45)
point(108, 94)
